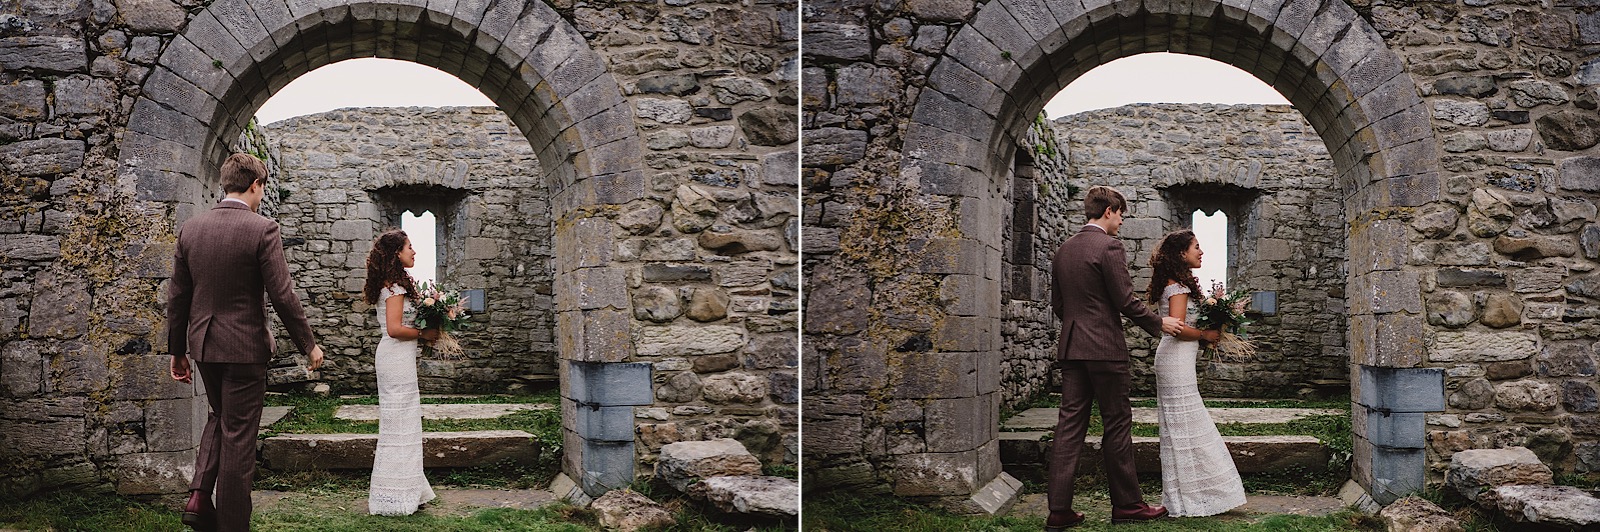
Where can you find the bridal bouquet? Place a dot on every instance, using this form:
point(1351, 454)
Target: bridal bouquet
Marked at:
point(443, 309)
point(1225, 311)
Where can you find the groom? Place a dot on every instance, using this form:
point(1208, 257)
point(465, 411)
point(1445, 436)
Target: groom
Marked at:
point(1090, 291)
point(227, 259)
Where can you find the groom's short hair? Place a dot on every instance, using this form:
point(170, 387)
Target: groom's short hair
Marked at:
point(1101, 198)
point(240, 171)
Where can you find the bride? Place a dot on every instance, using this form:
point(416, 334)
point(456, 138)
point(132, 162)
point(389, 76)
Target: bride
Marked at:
point(398, 485)
point(1198, 477)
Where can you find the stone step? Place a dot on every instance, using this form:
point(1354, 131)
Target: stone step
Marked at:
point(1028, 453)
point(432, 396)
point(443, 411)
point(1045, 418)
point(273, 414)
point(300, 452)
point(540, 378)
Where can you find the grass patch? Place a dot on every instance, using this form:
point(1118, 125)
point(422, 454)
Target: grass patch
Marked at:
point(314, 515)
point(85, 511)
point(1590, 481)
point(788, 471)
point(104, 512)
point(849, 512)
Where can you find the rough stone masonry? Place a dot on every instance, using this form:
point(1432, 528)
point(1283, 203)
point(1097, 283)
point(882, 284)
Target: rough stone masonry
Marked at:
point(1262, 165)
point(664, 135)
point(348, 174)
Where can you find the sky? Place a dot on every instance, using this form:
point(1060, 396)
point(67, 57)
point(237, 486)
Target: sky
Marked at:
point(1152, 78)
point(1169, 78)
point(368, 82)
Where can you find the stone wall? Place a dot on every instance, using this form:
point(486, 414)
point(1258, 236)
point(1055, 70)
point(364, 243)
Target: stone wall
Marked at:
point(1262, 165)
point(346, 175)
point(665, 132)
point(1270, 173)
point(1037, 223)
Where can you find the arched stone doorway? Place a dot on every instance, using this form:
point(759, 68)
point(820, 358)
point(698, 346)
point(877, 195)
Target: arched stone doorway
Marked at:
point(936, 415)
point(208, 83)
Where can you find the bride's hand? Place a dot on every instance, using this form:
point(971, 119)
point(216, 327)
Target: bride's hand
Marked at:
point(428, 335)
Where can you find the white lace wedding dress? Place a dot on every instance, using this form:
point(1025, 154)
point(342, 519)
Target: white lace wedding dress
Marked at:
point(398, 485)
point(1198, 477)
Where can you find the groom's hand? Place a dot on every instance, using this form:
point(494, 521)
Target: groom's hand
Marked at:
point(1171, 325)
point(316, 359)
point(180, 369)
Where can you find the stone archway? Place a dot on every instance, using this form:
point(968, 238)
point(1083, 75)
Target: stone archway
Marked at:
point(996, 73)
point(232, 55)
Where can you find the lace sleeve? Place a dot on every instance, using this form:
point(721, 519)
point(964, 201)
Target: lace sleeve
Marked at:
point(1174, 289)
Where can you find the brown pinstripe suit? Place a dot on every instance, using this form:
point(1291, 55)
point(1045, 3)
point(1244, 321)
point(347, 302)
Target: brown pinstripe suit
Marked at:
point(229, 262)
point(1090, 289)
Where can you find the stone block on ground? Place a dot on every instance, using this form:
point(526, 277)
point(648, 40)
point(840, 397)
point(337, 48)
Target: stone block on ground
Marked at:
point(273, 414)
point(564, 488)
point(626, 509)
point(1353, 495)
point(1556, 506)
point(300, 452)
point(774, 496)
point(1416, 514)
point(995, 498)
point(1477, 470)
point(684, 464)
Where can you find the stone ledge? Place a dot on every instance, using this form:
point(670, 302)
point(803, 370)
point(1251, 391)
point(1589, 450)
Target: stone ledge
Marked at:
point(443, 411)
point(1251, 454)
point(1045, 418)
point(300, 452)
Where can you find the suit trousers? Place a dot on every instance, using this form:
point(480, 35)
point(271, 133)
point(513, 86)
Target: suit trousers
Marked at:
point(226, 460)
point(1107, 383)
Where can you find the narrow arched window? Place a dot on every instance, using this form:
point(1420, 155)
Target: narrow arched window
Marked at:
point(423, 230)
point(1212, 231)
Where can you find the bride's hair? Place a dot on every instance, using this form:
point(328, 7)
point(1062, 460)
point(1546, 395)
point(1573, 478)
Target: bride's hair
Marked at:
point(1168, 264)
point(384, 268)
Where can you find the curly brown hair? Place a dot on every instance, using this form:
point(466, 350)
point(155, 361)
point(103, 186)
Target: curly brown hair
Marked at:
point(384, 268)
point(1167, 263)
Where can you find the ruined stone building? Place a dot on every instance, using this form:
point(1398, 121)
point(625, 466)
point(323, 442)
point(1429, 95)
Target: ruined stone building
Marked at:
point(1261, 165)
point(345, 175)
point(1451, 231)
point(632, 201)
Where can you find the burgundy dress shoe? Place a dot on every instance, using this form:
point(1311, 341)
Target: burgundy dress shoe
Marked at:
point(198, 513)
point(1059, 523)
point(1137, 513)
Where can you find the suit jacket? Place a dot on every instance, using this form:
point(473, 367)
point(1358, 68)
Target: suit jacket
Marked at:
point(1088, 290)
point(228, 263)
